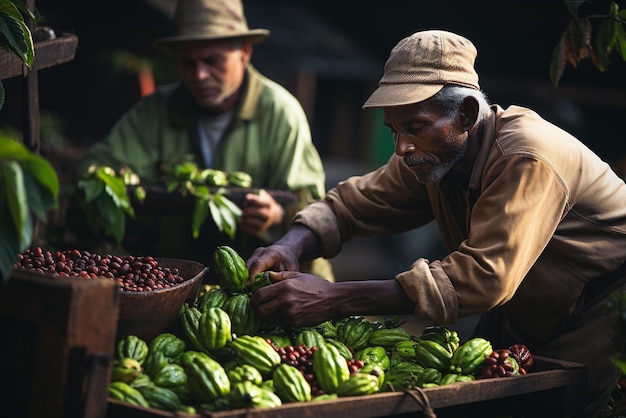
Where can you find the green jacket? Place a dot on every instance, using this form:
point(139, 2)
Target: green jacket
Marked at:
point(270, 139)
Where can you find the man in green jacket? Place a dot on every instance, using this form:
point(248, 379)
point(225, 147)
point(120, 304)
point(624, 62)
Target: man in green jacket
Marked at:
point(222, 114)
point(534, 221)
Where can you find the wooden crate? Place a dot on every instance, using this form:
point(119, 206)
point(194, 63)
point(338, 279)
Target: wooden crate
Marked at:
point(59, 341)
point(553, 389)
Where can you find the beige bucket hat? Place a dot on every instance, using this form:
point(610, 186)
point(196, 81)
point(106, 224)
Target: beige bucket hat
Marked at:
point(197, 20)
point(421, 64)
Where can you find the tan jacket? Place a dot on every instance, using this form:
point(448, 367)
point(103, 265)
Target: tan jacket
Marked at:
point(542, 215)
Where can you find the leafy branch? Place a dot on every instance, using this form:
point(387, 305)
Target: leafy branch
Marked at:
point(581, 40)
point(188, 179)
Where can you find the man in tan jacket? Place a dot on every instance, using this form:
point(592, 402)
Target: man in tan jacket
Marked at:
point(534, 221)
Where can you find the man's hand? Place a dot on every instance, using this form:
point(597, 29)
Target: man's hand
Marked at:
point(260, 212)
point(276, 257)
point(296, 299)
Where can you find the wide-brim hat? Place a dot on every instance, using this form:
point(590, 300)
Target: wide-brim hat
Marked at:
point(210, 20)
point(421, 64)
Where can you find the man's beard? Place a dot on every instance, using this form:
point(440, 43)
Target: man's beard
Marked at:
point(438, 172)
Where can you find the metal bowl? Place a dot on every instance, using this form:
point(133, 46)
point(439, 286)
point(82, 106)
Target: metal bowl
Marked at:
point(147, 314)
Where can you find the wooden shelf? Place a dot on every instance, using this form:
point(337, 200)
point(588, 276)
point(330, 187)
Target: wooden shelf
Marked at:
point(47, 54)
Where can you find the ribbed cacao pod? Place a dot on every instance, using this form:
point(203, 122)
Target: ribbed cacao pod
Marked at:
point(126, 393)
point(358, 384)
point(214, 329)
point(161, 398)
point(388, 337)
point(231, 269)
point(330, 368)
point(373, 355)
point(213, 298)
point(354, 331)
point(244, 373)
point(429, 353)
point(470, 355)
point(310, 338)
point(341, 347)
point(447, 338)
point(189, 318)
point(169, 344)
point(290, 384)
point(206, 378)
point(244, 319)
point(133, 347)
point(255, 351)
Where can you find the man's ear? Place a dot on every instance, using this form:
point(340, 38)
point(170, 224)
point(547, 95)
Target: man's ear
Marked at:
point(469, 112)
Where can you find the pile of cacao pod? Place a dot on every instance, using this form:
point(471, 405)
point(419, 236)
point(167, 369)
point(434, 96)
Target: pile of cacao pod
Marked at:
point(224, 357)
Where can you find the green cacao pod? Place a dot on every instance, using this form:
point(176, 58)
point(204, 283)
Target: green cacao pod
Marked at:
point(388, 337)
point(376, 370)
point(327, 329)
point(126, 393)
point(171, 376)
point(244, 373)
point(125, 370)
point(451, 378)
point(290, 384)
point(354, 331)
point(470, 355)
point(244, 394)
point(189, 318)
point(429, 377)
point(231, 269)
point(169, 344)
point(358, 384)
point(405, 349)
point(447, 338)
point(374, 355)
point(240, 179)
point(269, 399)
point(155, 361)
point(206, 378)
point(310, 338)
point(244, 319)
point(330, 368)
point(213, 298)
point(260, 280)
point(255, 351)
point(132, 346)
point(278, 336)
point(214, 329)
point(161, 398)
point(429, 353)
point(341, 347)
point(405, 374)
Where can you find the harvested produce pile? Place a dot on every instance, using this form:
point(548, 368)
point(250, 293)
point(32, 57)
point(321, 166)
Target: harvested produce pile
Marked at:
point(224, 357)
point(134, 274)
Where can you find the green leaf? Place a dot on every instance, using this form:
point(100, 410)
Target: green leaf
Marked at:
point(200, 215)
point(10, 149)
point(92, 188)
point(229, 220)
point(13, 183)
point(224, 201)
point(15, 33)
point(39, 199)
point(216, 215)
point(43, 172)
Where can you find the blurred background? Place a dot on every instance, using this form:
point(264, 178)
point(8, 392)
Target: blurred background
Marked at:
point(330, 54)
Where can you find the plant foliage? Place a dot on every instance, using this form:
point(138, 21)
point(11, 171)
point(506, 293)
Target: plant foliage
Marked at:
point(582, 40)
point(28, 185)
